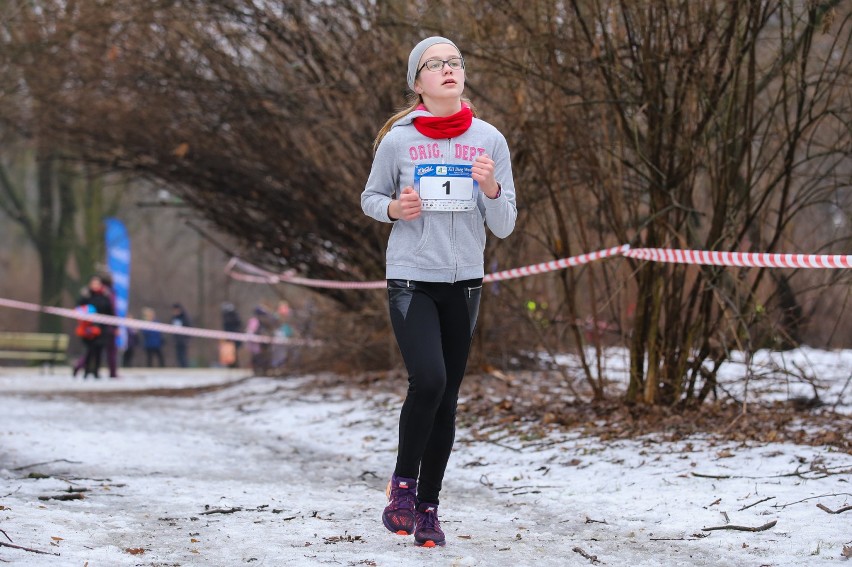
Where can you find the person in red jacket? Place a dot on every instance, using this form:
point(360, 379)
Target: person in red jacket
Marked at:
point(96, 296)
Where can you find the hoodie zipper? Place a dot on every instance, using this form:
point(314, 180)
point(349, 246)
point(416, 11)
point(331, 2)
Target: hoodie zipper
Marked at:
point(453, 225)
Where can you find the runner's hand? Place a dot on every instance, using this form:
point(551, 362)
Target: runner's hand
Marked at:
point(407, 207)
point(483, 173)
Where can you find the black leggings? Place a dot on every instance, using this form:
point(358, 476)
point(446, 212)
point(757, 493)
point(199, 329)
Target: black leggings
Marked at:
point(433, 324)
point(93, 359)
point(150, 353)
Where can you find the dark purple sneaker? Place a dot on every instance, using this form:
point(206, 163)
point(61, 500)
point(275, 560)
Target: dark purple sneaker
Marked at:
point(398, 516)
point(427, 528)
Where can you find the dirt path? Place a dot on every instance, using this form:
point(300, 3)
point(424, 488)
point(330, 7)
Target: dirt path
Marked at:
point(268, 472)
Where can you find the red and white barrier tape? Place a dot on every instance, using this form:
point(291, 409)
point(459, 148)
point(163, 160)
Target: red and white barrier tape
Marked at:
point(554, 265)
point(258, 275)
point(698, 257)
point(154, 326)
point(745, 259)
point(263, 276)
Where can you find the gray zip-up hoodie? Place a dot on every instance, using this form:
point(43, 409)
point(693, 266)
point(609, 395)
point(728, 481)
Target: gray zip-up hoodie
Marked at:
point(439, 246)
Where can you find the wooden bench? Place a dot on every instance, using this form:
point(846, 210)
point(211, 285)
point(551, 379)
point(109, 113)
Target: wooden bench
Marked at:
point(47, 348)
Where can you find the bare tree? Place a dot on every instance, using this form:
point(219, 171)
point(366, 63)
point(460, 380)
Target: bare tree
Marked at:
point(47, 197)
point(260, 118)
point(678, 124)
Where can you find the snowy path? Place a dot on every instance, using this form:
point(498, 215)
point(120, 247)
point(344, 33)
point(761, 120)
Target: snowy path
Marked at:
point(267, 472)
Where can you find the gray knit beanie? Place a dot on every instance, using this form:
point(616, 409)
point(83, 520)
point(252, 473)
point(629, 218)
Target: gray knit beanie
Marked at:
point(417, 53)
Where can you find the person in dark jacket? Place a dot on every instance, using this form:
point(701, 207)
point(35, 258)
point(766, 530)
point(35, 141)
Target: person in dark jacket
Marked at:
point(262, 322)
point(181, 319)
point(132, 343)
point(110, 345)
point(152, 340)
point(96, 296)
point(232, 323)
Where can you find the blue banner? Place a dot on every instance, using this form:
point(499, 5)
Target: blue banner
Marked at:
point(118, 264)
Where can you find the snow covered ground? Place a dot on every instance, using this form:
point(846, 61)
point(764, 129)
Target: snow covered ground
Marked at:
point(210, 467)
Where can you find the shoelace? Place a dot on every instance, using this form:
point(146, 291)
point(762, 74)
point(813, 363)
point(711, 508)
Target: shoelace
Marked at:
point(402, 498)
point(429, 520)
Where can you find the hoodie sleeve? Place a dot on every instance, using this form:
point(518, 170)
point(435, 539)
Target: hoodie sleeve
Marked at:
point(501, 213)
point(382, 183)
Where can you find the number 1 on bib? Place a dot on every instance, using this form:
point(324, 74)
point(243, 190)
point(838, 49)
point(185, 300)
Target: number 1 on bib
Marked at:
point(445, 187)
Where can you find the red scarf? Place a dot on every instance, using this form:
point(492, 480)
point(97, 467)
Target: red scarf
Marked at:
point(440, 127)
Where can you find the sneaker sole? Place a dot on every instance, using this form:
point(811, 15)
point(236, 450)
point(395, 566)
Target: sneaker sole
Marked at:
point(395, 531)
point(430, 543)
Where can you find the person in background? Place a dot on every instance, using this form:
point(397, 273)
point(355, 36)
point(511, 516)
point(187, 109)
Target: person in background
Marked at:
point(96, 297)
point(180, 319)
point(435, 263)
point(262, 322)
point(232, 323)
point(152, 340)
point(110, 345)
point(80, 363)
point(280, 352)
point(132, 343)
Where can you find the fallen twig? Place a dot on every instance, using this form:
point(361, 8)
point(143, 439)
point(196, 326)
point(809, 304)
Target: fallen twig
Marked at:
point(221, 511)
point(824, 472)
point(4, 544)
point(842, 391)
point(47, 463)
point(830, 511)
point(755, 504)
point(782, 506)
point(699, 475)
point(743, 528)
point(592, 558)
point(67, 496)
point(807, 475)
point(10, 494)
point(501, 445)
point(513, 489)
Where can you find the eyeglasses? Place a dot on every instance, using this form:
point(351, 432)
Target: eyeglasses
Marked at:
point(435, 65)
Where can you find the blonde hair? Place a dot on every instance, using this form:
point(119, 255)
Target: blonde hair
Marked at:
point(414, 100)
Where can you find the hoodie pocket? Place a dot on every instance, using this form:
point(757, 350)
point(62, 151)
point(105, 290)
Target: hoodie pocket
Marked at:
point(407, 238)
point(471, 238)
point(432, 248)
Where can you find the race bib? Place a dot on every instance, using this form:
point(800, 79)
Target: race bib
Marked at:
point(445, 187)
